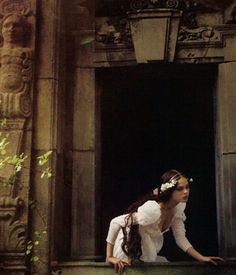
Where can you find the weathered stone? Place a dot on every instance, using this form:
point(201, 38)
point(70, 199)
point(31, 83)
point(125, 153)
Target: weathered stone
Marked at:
point(84, 110)
point(184, 268)
point(16, 95)
point(84, 205)
point(226, 158)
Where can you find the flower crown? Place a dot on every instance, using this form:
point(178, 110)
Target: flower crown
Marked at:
point(169, 184)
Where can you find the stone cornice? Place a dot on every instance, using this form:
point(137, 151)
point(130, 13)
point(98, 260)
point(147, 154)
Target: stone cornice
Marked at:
point(111, 7)
point(113, 34)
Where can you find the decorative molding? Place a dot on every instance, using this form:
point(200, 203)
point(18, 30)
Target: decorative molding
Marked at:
point(210, 37)
point(184, 5)
point(14, 124)
point(9, 206)
point(115, 33)
point(202, 34)
point(22, 7)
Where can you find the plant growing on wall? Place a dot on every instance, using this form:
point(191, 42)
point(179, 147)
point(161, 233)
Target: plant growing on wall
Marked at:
point(17, 162)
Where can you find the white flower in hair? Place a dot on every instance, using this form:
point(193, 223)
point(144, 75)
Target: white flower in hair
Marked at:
point(155, 191)
point(167, 185)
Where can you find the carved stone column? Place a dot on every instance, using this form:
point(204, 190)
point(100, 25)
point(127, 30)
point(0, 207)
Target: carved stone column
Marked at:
point(16, 92)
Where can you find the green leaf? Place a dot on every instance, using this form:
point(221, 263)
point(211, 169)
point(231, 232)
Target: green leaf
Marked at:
point(3, 123)
point(86, 41)
point(29, 247)
point(36, 242)
point(28, 252)
point(35, 259)
point(44, 158)
point(46, 173)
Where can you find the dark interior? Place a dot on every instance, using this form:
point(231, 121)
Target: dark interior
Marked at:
point(154, 118)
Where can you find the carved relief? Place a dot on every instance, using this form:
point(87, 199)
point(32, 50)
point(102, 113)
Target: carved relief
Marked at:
point(113, 31)
point(12, 228)
point(184, 5)
point(16, 67)
point(16, 51)
point(22, 7)
point(13, 231)
point(197, 34)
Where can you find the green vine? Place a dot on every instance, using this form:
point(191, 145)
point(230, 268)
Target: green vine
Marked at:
point(17, 161)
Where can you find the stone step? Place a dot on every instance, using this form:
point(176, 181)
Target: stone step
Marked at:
point(173, 268)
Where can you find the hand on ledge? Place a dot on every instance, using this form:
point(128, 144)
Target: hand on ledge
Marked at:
point(118, 264)
point(212, 259)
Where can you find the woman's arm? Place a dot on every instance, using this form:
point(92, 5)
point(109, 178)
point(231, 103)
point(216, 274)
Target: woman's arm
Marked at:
point(115, 227)
point(118, 263)
point(178, 229)
point(179, 234)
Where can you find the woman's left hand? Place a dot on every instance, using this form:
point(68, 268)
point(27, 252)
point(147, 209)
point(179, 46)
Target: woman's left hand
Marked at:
point(212, 259)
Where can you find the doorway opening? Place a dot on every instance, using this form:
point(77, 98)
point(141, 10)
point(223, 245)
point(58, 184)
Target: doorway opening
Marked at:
point(155, 118)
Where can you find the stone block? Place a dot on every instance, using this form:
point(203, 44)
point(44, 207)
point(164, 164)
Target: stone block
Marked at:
point(84, 200)
point(84, 110)
point(45, 114)
point(85, 48)
point(47, 35)
point(226, 111)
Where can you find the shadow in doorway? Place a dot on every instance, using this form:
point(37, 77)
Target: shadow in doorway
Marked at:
point(155, 118)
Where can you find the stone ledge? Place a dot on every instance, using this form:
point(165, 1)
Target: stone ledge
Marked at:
point(173, 268)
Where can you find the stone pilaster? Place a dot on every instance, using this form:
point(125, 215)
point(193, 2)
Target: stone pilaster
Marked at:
point(48, 132)
point(84, 197)
point(226, 158)
point(16, 97)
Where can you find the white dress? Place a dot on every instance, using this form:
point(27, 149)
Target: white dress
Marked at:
point(148, 217)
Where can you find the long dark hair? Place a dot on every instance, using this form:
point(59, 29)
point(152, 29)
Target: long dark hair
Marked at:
point(132, 240)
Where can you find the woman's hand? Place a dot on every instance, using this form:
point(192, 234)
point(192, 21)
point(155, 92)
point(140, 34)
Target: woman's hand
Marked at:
point(118, 264)
point(211, 259)
point(198, 256)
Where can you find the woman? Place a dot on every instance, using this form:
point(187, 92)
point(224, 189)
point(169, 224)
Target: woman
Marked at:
point(138, 235)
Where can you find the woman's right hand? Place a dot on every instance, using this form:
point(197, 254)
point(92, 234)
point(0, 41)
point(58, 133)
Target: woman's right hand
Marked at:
point(118, 264)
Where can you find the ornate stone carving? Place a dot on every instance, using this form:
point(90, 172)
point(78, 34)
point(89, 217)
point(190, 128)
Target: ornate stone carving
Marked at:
point(17, 24)
point(209, 5)
point(13, 231)
point(22, 7)
point(16, 67)
point(143, 4)
point(184, 5)
point(198, 34)
point(113, 31)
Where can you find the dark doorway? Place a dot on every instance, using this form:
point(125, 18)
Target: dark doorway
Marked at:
point(154, 118)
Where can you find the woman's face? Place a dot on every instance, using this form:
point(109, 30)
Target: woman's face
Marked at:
point(181, 192)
